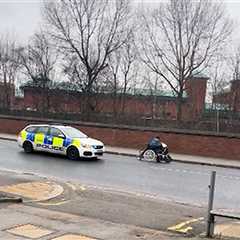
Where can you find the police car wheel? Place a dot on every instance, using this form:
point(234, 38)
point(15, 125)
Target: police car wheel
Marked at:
point(72, 153)
point(28, 148)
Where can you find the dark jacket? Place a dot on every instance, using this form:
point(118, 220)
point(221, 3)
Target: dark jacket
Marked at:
point(155, 145)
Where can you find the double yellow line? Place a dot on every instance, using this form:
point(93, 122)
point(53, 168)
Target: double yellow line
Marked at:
point(182, 227)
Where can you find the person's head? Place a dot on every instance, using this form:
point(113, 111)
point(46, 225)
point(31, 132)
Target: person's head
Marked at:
point(157, 137)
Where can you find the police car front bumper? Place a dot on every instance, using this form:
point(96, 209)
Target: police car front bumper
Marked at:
point(20, 141)
point(90, 153)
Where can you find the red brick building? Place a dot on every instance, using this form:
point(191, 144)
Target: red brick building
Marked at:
point(7, 95)
point(230, 98)
point(60, 100)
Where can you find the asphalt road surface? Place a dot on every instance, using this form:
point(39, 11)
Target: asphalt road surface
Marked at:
point(184, 183)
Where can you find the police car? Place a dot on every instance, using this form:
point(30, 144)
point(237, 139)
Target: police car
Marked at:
point(59, 139)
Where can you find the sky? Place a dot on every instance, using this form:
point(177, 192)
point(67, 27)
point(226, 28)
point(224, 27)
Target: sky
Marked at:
point(21, 18)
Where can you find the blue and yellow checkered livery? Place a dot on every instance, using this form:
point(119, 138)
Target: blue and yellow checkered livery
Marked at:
point(40, 138)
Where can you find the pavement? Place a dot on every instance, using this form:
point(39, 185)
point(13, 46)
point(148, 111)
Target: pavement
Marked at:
point(28, 218)
point(219, 162)
point(33, 219)
point(24, 222)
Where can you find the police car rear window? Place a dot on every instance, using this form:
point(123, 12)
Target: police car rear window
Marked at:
point(31, 129)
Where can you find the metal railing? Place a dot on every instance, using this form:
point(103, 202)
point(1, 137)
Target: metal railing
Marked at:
point(212, 213)
point(204, 124)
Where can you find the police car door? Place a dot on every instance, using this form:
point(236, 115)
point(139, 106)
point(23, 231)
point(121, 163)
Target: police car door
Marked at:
point(57, 138)
point(40, 139)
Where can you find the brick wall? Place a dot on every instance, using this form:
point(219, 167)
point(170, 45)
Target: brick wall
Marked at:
point(230, 97)
point(186, 142)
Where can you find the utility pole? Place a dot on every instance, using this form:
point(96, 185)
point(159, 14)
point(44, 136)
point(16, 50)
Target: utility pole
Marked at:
point(218, 128)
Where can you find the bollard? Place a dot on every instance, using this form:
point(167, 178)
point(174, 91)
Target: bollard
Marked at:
point(210, 218)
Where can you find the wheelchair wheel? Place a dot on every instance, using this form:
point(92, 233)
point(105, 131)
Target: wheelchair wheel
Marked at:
point(149, 155)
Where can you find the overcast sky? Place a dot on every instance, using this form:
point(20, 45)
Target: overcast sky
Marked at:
point(22, 17)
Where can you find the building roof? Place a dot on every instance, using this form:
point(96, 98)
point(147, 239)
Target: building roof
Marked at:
point(67, 86)
point(72, 87)
point(201, 75)
point(149, 92)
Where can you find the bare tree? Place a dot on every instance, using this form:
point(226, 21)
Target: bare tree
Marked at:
point(234, 63)
point(123, 67)
point(182, 37)
point(112, 79)
point(88, 31)
point(8, 70)
point(219, 79)
point(37, 61)
point(234, 67)
point(129, 68)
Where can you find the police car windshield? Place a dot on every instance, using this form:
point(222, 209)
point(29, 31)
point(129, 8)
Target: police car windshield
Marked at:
point(74, 133)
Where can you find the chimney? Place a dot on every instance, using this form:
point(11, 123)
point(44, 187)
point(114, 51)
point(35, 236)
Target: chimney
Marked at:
point(196, 87)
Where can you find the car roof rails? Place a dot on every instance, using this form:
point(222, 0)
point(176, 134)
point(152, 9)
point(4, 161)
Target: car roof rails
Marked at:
point(37, 123)
point(57, 123)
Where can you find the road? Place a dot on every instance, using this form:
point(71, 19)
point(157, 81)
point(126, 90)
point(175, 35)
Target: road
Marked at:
point(184, 183)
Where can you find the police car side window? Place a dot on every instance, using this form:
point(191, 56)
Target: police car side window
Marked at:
point(55, 132)
point(43, 130)
point(31, 129)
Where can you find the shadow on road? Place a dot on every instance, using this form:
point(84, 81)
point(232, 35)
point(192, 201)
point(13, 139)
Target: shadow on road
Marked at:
point(59, 157)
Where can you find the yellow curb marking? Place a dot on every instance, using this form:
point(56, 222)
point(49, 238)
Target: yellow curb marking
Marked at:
point(74, 188)
point(73, 237)
point(184, 230)
point(71, 186)
point(37, 191)
point(30, 231)
point(181, 226)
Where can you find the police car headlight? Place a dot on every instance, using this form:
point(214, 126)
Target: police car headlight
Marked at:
point(86, 145)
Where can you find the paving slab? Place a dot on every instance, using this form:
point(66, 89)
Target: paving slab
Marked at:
point(230, 229)
point(73, 237)
point(29, 231)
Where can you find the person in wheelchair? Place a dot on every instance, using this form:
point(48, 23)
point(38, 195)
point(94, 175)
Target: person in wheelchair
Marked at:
point(155, 150)
point(155, 145)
